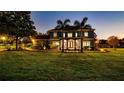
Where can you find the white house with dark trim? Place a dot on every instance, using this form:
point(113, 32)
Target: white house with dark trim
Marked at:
point(72, 38)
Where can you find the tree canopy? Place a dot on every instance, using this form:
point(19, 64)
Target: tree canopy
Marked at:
point(17, 24)
point(82, 24)
point(113, 41)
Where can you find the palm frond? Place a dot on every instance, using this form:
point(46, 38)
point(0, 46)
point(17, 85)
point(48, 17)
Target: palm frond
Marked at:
point(59, 22)
point(84, 21)
point(66, 22)
point(77, 23)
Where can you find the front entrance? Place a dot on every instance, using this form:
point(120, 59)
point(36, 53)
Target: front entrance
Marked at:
point(71, 45)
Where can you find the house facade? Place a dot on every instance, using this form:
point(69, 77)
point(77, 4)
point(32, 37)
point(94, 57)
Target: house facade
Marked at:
point(72, 39)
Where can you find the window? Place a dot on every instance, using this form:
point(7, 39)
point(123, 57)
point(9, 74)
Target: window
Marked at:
point(56, 43)
point(63, 34)
point(76, 34)
point(70, 44)
point(55, 34)
point(86, 34)
point(69, 34)
point(59, 34)
point(86, 43)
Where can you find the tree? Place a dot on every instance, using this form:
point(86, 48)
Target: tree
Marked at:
point(113, 41)
point(97, 41)
point(82, 25)
point(61, 25)
point(4, 21)
point(17, 24)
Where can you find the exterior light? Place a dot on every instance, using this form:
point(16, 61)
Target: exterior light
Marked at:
point(33, 41)
point(3, 38)
point(56, 43)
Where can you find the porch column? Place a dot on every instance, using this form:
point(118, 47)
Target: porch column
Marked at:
point(60, 44)
point(75, 44)
point(81, 45)
point(67, 43)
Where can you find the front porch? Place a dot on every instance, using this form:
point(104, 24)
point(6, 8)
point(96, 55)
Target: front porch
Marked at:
point(74, 45)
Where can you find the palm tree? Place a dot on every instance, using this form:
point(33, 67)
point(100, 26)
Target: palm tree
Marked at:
point(61, 25)
point(81, 25)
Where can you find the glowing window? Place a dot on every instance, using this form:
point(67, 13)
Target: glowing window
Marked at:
point(69, 34)
point(86, 34)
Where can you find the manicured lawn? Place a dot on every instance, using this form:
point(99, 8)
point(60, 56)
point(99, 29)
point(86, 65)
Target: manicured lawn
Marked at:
point(24, 65)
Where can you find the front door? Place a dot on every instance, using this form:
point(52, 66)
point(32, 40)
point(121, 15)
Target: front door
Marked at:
point(71, 44)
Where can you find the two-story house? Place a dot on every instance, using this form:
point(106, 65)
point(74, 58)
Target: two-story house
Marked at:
point(72, 39)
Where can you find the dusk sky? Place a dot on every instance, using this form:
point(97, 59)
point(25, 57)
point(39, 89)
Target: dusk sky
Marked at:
point(105, 23)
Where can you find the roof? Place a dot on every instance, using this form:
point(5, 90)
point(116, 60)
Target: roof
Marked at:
point(70, 29)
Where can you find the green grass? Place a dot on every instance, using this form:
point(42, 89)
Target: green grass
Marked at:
point(24, 65)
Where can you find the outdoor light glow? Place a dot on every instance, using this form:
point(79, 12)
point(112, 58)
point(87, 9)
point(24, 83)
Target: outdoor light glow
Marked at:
point(33, 41)
point(56, 43)
point(3, 38)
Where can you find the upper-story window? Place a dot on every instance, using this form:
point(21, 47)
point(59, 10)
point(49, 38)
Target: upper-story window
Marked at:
point(79, 34)
point(59, 34)
point(55, 34)
point(86, 34)
point(69, 34)
point(76, 34)
point(63, 34)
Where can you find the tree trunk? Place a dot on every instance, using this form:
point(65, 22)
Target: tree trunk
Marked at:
point(16, 42)
point(62, 45)
point(114, 47)
point(81, 45)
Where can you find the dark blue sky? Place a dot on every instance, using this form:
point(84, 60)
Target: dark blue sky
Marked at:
point(105, 23)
